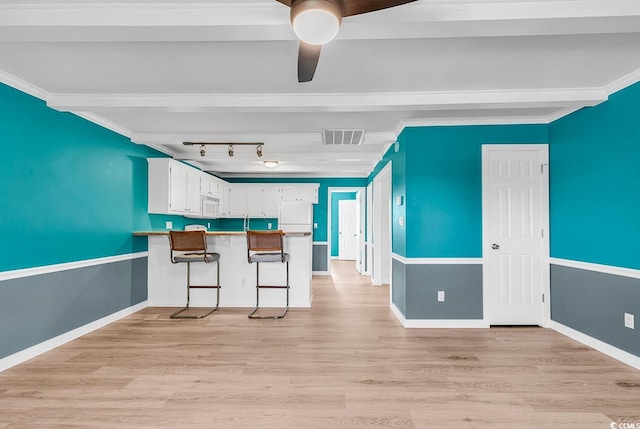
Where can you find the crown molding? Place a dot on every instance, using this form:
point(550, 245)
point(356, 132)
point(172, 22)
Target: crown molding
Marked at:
point(623, 82)
point(23, 85)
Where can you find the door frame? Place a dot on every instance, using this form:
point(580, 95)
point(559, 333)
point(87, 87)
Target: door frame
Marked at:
point(382, 231)
point(360, 194)
point(544, 213)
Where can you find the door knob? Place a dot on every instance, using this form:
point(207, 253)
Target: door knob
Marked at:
point(495, 246)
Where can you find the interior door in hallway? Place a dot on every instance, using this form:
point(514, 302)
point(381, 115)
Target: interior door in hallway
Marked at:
point(515, 219)
point(347, 229)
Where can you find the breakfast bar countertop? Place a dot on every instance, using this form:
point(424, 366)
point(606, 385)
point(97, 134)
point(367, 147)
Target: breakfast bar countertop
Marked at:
point(166, 232)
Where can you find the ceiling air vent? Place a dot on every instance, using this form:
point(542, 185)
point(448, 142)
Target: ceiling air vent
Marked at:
point(342, 137)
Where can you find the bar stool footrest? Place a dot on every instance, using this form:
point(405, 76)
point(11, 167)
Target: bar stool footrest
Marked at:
point(252, 316)
point(198, 316)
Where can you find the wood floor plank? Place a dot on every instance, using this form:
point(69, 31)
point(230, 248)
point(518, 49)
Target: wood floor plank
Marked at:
point(346, 362)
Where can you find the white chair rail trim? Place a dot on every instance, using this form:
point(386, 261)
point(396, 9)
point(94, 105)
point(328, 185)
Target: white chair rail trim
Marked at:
point(47, 269)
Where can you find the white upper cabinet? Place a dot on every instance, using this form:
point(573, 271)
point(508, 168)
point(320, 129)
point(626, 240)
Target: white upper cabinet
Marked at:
point(238, 201)
point(174, 188)
point(177, 188)
point(262, 200)
point(307, 193)
point(225, 199)
point(210, 186)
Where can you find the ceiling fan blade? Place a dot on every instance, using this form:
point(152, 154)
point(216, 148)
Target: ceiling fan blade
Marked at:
point(307, 61)
point(357, 7)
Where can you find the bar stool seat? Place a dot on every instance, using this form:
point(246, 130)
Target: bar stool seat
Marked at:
point(267, 246)
point(268, 257)
point(189, 247)
point(197, 257)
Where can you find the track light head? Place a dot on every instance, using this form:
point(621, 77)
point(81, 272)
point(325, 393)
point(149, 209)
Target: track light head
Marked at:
point(259, 150)
point(202, 150)
point(230, 150)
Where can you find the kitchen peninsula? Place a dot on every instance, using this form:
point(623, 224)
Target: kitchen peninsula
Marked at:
point(167, 281)
point(176, 188)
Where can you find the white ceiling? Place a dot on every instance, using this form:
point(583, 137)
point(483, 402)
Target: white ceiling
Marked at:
point(164, 72)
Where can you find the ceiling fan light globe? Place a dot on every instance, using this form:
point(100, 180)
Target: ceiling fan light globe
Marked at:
point(270, 164)
point(316, 22)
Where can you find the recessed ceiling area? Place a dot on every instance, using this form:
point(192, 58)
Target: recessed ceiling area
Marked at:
point(165, 72)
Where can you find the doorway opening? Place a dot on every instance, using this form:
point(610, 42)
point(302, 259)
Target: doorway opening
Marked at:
point(345, 226)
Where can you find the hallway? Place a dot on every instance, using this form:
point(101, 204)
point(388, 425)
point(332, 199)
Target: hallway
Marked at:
point(344, 363)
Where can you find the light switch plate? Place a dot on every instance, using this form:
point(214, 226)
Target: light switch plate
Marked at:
point(401, 220)
point(168, 224)
point(629, 321)
point(440, 296)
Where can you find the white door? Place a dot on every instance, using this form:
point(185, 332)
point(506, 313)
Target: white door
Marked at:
point(515, 219)
point(347, 232)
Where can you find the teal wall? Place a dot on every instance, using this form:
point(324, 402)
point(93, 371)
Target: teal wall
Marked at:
point(438, 173)
point(444, 185)
point(336, 197)
point(70, 190)
point(320, 210)
point(595, 183)
point(595, 217)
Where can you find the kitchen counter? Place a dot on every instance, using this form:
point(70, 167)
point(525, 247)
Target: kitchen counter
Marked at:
point(167, 282)
point(214, 233)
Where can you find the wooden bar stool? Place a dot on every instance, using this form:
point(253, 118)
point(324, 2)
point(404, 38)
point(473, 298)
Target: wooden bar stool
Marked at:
point(191, 246)
point(267, 246)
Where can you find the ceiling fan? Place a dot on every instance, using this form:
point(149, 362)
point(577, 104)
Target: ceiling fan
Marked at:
point(316, 22)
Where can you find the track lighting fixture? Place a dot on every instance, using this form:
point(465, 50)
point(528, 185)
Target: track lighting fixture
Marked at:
point(230, 146)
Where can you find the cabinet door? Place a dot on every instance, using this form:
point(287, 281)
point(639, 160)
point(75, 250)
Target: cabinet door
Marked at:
point(270, 201)
point(177, 188)
point(192, 191)
point(225, 199)
point(289, 193)
point(255, 200)
point(308, 194)
point(204, 184)
point(214, 187)
point(238, 201)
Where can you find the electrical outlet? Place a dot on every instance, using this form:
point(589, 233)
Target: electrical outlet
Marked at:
point(208, 225)
point(401, 220)
point(629, 321)
point(269, 225)
point(440, 296)
point(168, 224)
point(315, 226)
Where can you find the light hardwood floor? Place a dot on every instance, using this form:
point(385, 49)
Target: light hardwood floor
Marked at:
point(344, 363)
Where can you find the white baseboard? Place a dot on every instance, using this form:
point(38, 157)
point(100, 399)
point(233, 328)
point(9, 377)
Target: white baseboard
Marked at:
point(601, 346)
point(438, 323)
point(38, 349)
point(320, 273)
